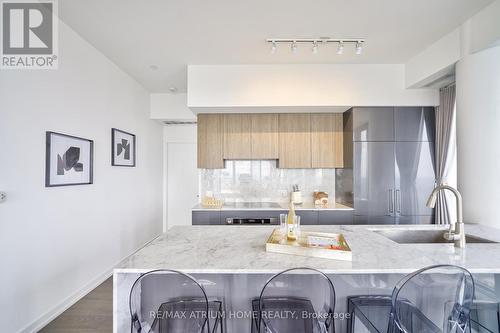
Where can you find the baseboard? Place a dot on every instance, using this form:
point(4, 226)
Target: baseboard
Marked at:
point(50, 315)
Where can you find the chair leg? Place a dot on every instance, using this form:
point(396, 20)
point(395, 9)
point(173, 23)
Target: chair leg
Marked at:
point(350, 319)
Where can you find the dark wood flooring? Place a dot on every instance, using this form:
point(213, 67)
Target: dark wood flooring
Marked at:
point(93, 313)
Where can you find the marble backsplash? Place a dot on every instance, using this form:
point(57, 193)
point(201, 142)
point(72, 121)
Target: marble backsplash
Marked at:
point(261, 181)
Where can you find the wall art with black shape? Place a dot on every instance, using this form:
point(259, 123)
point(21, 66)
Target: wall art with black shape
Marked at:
point(68, 160)
point(122, 148)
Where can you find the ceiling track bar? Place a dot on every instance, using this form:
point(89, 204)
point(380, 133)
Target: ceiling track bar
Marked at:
point(315, 40)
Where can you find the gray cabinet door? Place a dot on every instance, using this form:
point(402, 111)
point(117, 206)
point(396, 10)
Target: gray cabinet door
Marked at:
point(337, 217)
point(307, 217)
point(373, 124)
point(374, 178)
point(415, 177)
point(203, 217)
point(414, 123)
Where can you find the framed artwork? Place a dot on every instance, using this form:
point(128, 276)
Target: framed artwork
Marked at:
point(68, 160)
point(122, 148)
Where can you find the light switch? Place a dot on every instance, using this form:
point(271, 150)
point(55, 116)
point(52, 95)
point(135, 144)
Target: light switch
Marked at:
point(3, 196)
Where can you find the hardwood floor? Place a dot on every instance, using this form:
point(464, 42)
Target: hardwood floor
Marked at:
point(93, 313)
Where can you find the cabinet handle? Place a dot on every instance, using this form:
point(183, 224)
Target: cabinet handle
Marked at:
point(398, 201)
point(390, 202)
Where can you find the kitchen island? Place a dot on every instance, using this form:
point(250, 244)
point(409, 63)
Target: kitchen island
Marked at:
point(233, 264)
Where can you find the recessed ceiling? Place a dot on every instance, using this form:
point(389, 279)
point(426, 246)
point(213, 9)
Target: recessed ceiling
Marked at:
point(155, 40)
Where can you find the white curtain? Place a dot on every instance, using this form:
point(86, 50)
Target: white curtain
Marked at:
point(445, 151)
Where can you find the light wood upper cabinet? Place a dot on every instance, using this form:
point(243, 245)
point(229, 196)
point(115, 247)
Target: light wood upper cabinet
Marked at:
point(264, 136)
point(210, 141)
point(294, 140)
point(297, 140)
point(237, 136)
point(327, 140)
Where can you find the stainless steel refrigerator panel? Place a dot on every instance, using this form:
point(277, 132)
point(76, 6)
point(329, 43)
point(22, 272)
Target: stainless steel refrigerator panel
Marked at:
point(373, 124)
point(415, 177)
point(414, 123)
point(374, 178)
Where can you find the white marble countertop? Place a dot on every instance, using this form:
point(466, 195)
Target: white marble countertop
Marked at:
point(279, 206)
point(241, 249)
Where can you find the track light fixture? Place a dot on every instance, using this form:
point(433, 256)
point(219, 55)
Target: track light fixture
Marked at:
point(315, 48)
point(357, 42)
point(359, 47)
point(340, 48)
point(273, 48)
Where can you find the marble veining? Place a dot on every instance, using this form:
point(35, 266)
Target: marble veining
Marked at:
point(241, 249)
point(261, 180)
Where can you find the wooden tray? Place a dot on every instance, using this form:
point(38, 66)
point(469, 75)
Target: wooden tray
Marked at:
point(278, 243)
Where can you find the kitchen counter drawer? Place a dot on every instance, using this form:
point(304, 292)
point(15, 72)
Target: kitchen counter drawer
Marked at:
point(204, 217)
point(336, 217)
point(307, 217)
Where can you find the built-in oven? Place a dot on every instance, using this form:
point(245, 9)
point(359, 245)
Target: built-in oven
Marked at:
point(253, 221)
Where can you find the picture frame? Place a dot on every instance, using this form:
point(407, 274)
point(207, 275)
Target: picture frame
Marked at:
point(123, 148)
point(69, 160)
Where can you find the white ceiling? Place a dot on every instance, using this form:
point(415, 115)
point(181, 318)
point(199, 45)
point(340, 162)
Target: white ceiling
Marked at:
point(174, 33)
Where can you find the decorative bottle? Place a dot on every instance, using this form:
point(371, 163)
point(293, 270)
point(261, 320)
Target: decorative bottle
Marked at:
point(291, 233)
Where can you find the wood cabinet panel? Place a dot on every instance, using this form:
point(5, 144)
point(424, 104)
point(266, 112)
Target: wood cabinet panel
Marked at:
point(294, 140)
point(210, 141)
point(237, 136)
point(327, 140)
point(264, 136)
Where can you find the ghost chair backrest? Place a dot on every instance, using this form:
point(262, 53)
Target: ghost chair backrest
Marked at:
point(297, 300)
point(168, 301)
point(433, 299)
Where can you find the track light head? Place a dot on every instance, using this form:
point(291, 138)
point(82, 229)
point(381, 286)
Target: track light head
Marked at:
point(340, 48)
point(315, 48)
point(359, 48)
point(294, 47)
point(273, 47)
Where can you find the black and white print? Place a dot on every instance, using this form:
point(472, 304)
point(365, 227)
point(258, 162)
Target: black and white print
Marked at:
point(68, 160)
point(122, 148)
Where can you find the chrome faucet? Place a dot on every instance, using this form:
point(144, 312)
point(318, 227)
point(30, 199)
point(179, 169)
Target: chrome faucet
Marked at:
point(456, 232)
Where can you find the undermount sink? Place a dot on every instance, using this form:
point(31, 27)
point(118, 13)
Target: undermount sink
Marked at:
point(424, 237)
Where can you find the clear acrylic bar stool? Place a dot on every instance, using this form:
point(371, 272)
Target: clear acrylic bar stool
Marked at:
point(435, 299)
point(297, 300)
point(173, 302)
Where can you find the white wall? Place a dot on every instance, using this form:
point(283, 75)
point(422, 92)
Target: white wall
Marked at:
point(434, 62)
point(478, 124)
point(302, 85)
point(170, 107)
point(479, 32)
point(57, 243)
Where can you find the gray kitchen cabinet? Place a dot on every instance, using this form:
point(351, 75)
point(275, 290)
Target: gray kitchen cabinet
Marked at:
point(391, 164)
point(414, 123)
point(206, 217)
point(415, 178)
point(307, 217)
point(372, 123)
point(337, 217)
point(373, 174)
